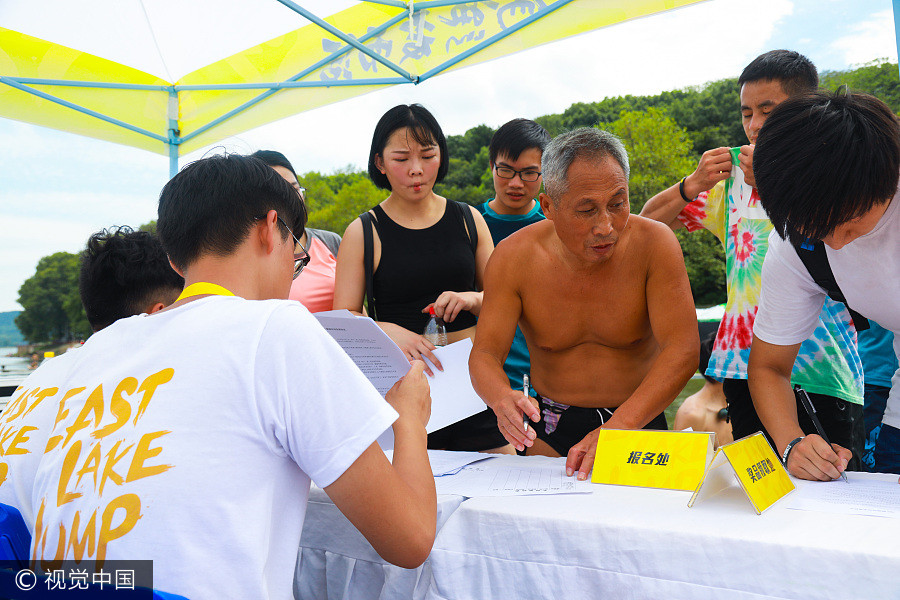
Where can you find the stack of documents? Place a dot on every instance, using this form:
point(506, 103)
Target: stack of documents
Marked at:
point(474, 474)
point(452, 396)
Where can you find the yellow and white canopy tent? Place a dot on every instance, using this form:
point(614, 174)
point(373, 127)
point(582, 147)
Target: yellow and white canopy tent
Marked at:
point(172, 76)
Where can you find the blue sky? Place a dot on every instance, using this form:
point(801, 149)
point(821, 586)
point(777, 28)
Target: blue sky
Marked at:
point(58, 188)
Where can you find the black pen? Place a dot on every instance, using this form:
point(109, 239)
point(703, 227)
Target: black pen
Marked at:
point(811, 411)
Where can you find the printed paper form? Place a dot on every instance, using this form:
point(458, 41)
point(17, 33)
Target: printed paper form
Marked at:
point(452, 396)
point(862, 496)
point(445, 462)
point(448, 462)
point(489, 478)
point(376, 355)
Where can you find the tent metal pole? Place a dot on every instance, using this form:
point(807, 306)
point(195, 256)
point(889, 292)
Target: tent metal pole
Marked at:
point(896, 4)
point(90, 84)
point(173, 159)
point(288, 85)
point(173, 131)
point(81, 109)
point(438, 3)
point(497, 37)
point(311, 69)
point(348, 39)
point(397, 3)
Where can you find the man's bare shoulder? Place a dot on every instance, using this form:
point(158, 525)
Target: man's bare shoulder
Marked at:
point(651, 234)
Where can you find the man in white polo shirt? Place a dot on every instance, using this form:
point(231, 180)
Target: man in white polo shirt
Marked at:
point(827, 170)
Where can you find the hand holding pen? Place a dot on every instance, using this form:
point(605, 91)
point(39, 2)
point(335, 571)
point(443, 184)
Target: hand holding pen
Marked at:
point(819, 452)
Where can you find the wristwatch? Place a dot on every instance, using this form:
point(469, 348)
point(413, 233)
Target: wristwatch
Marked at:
point(788, 448)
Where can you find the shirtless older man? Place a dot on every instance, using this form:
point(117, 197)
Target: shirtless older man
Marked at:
point(604, 302)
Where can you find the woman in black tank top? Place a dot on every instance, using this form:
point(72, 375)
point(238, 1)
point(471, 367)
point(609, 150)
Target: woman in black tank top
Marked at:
point(424, 252)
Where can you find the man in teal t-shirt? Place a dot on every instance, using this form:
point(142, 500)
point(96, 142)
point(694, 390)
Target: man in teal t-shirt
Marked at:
point(515, 154)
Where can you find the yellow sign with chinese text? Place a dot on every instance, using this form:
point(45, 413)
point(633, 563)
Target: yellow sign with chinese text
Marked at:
point(674, 460)
point(756, 467)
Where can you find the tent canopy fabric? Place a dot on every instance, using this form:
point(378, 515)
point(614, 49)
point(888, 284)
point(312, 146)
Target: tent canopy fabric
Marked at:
point(134, 78)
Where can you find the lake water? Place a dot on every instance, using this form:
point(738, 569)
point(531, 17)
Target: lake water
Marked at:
point(13, 364)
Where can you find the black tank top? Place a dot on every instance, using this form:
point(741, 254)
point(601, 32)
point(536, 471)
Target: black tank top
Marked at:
point(417, 265)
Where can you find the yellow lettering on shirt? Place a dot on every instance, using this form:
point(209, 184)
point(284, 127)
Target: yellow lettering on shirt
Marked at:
point(132, 506)
point(119, 407)
point(148, 386)
point(87, 539)
point(45, 393)
point(108, 468)
point(17, 406)
point(137, 470)
point(61, 414)
point(93, 403)
point(91, 465)
point(62, 496)
point(15, 446)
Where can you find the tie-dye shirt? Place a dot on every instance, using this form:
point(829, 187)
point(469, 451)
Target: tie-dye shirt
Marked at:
point(828, 362)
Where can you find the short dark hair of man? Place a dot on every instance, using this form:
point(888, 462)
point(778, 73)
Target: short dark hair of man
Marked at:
point(210, 205)
point(123, 273)
point(796, 73)
point(824, 159)
point(274, 158)
point(515, 137)
point(423, 128)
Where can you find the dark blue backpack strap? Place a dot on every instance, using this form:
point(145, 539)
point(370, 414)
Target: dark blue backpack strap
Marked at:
point(812, 254)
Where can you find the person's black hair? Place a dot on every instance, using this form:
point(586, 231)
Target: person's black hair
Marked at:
point(210, 206)
point(124, 272)
point(273, 158)
point(515, 137)
point(824, 159)
point(796, 73)
point(422, 127)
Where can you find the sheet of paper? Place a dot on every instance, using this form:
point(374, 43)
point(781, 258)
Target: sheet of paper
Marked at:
point(452, 396)
point(861, 496)
point(376, 355)
point(444, 463)
point(490, 478)
point(341, 312)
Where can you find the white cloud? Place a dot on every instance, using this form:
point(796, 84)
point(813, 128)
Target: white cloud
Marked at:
point(872, 38)
point(38, 224)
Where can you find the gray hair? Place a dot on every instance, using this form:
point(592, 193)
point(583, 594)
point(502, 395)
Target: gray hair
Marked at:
point(586, 142)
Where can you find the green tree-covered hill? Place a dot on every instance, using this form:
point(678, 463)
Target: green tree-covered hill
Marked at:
point(665, 134)
point(9, 333)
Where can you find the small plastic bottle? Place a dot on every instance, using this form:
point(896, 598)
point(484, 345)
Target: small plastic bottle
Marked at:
point(435, 330)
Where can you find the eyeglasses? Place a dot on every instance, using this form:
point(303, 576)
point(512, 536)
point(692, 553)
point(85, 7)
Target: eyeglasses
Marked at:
point(302, 191)
point(301, 259)
point(508, 173)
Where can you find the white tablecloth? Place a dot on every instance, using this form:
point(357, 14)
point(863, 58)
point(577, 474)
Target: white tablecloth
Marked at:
point(617, 542)
point(336, 562)
point(622, 542)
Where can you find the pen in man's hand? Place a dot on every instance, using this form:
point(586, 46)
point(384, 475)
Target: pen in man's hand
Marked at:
point(525, 391)
point(811, 411)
